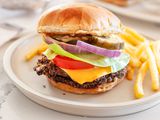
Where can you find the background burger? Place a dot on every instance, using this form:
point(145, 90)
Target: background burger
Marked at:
point(85, 53)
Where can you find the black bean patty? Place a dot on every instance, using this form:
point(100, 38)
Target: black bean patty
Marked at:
point(46, 67)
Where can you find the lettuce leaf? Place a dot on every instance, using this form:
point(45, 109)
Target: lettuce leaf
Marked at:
point(50, 54)
point(116, 63)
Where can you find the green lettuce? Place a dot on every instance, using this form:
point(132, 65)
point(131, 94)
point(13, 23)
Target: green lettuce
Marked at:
point(49, 53)
point(116, 63)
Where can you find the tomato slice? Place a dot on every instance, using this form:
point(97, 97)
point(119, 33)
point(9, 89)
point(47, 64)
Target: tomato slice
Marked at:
point(68, 63)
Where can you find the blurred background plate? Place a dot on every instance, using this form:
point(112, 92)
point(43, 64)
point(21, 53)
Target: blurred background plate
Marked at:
point(138, 11)
point(118, 101)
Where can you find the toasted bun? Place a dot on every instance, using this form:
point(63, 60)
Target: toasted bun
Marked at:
point(100, 89)
point(79, 19)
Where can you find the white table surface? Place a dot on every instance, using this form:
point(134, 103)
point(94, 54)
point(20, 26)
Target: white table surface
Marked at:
point(15, 106)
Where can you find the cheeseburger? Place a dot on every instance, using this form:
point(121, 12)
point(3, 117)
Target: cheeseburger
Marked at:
point(84, 54)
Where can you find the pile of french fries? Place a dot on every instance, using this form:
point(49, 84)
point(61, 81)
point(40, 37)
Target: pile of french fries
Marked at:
point(144, 56)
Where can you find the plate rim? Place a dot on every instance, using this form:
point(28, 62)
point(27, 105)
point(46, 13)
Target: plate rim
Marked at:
point(134, 15)
point(8, 69)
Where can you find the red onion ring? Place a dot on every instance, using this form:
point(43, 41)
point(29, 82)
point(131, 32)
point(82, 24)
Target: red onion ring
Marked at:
point(98, 50)
point(68, 47)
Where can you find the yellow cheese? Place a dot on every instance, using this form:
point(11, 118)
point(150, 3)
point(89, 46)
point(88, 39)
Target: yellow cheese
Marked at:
point(87, 75)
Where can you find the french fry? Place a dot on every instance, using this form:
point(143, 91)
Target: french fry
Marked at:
point(153, 68)
point(31, 54)
point(134, 62)
point(42, 49)
point(140, 50)
point(156, 50)
point(131, 47)
point(36, 51)
point(130, 73)
point(143, 57)
point(129, 51)
point(138, 86)
point(130, 39)
point(140, 53)
point(135, 34)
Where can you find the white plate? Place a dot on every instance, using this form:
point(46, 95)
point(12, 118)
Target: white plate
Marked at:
point(118, 101)
point(137, 11)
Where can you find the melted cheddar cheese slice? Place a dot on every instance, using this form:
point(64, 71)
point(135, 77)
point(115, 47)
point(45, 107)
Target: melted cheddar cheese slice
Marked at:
point(87, 75)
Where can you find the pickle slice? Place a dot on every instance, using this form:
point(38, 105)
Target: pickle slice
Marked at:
point(112, 42)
